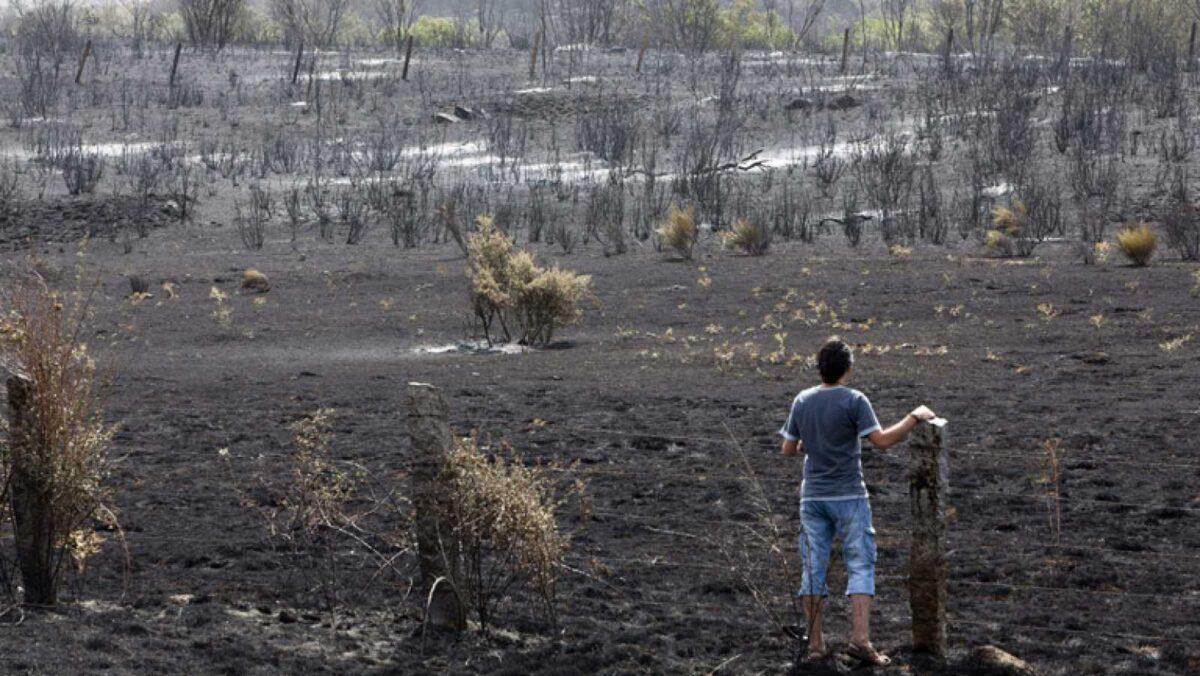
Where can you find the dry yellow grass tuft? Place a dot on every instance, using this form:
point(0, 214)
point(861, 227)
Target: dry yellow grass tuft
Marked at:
point(748, 238)
point(1138, 242)
point(255, 281)
point(680, 232)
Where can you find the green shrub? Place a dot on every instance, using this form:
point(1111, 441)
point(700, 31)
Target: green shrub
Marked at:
point(438, 31)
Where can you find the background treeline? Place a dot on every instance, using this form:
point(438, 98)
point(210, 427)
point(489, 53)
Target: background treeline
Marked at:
point(1136, 29)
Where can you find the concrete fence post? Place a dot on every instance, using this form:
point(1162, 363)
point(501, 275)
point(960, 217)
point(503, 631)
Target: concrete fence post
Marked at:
point(929, 488)
point(30, 502)
point(429, 429)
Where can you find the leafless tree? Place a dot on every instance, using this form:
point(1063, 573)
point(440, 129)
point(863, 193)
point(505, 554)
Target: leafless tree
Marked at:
point(211, 23)
point(691, 25)
point(313, 22)
point(589, 21)
point(490, 16)
point(802, 24)
point(47, 35)
point(397, 17)
point(144, 24)
point(977, 21)
point(894, 13)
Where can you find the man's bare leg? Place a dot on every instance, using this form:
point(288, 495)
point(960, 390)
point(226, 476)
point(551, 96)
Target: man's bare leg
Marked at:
point(813, 609)
point(861, 633)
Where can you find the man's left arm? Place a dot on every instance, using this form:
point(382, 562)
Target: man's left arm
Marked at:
point(792, 447)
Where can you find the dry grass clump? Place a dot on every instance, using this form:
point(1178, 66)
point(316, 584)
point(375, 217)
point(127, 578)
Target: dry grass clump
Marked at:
point(54, 452)
point(255, 281)
point(1138, 242)
point(1007, 225)
point(680, 231)
point(499, 529)
point(512, 295)
point(748, 238)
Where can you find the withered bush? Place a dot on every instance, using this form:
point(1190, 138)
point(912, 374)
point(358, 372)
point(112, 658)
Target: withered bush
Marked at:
point(748, 237)
point(1007, 224)
point(1182, 229)
point(511, 293)
point(759, 560)
point(1026, 223)
point(54, 453)
point(499, 531)
point(1138, 242)
point(328, 516)
point(680, 231)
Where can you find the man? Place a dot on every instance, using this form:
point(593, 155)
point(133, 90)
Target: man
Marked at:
point(827, 423)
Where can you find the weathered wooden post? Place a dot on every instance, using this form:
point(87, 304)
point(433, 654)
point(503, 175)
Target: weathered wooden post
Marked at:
point(175, 64)
point(533, 54)
point(929, 488)
point(296, 66)
point(641, 56)
point(408, 47)
point(1068, 48)
point(948, 53)
point(845, 49)
point(87, 51)
point(30, 502)
point(429, 429)
point(1191, 64)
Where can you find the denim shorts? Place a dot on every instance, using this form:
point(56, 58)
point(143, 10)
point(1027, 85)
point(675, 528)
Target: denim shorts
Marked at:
point(850, 521)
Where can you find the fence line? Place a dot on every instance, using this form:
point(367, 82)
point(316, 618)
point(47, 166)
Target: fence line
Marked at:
point(235, 408)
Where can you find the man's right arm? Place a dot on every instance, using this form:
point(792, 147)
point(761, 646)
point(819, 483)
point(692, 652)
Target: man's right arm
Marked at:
point(885, 439)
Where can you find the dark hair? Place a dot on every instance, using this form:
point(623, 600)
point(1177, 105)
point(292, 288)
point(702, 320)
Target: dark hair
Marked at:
point(833, 360)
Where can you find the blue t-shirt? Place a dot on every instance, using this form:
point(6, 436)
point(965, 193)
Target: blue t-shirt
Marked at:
point(831, 422)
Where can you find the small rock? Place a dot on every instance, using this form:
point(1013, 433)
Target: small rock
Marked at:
point(464, 113)
point(287, 617)
point(991, 660)
point(843, 102)
point(444, 118)
point(801, 104)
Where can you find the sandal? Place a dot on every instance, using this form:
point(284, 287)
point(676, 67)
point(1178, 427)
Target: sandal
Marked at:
point(868, 654)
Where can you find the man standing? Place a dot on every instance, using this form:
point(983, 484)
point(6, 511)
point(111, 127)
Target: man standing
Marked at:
point(827, 423)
